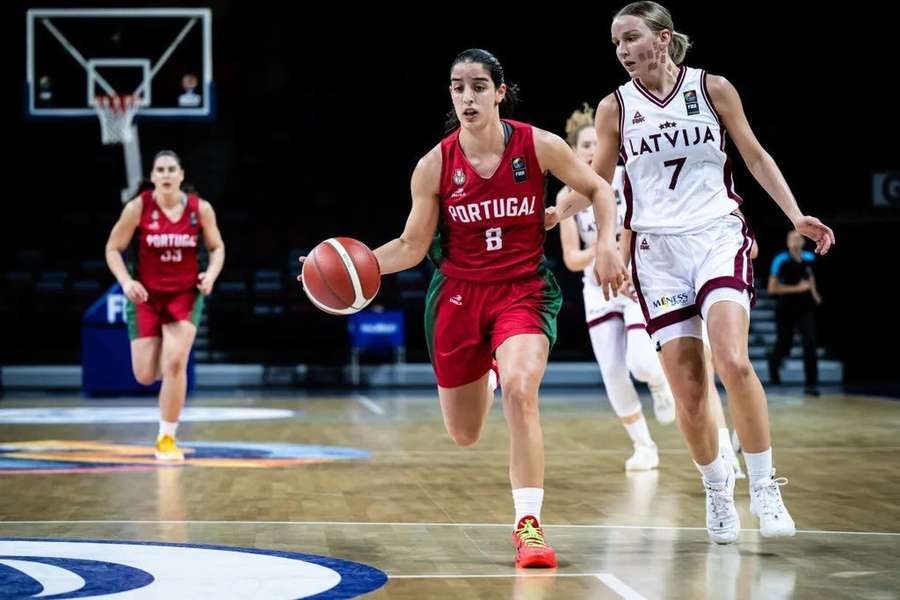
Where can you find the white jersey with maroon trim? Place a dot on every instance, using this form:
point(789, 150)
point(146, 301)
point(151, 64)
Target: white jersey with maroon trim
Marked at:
point(678, 178)
point(587, 225)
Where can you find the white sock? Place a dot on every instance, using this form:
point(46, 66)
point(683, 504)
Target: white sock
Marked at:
point(725, 441)
point(639, 433)
point(715, 472)
point(166, 428)
point(528, 501)
point(759, 464)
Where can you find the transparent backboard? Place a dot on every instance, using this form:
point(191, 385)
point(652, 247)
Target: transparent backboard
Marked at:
point(161, 56)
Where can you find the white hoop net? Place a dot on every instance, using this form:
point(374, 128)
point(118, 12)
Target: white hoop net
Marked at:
point(116, 115)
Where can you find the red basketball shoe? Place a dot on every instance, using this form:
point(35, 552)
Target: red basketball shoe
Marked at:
point(531, 549)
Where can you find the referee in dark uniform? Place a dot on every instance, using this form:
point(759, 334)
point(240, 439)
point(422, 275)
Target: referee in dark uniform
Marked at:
point(792, 281)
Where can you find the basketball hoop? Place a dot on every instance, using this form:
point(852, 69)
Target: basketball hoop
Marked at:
point(116, 114)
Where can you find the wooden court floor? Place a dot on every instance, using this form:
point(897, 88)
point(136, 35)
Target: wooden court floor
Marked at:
point(437, 519)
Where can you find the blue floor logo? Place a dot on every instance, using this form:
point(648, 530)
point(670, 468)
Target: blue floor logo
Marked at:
point(52, 456)
point(58, 569)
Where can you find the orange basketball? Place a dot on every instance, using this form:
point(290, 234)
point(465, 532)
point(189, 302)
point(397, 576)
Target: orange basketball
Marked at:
point(341, 276)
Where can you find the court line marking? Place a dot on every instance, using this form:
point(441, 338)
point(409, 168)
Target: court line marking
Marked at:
point(368, 403)
point(388, 524)
point(623, 450)
point(608, 579)
point(619, 586)
point(492, 576)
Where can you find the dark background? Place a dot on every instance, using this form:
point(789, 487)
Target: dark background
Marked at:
point(321, 118)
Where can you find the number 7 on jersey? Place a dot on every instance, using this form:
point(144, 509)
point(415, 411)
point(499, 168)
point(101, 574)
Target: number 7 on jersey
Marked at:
point(678, 163)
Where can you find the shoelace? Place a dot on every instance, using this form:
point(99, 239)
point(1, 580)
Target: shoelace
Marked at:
point(769, 496)
point(530, 535)
point(719, 501)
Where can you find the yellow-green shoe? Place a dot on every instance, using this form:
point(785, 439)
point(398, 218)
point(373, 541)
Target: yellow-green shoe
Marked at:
point(167, 449)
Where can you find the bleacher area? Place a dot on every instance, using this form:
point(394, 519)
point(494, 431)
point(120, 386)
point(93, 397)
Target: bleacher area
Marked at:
point(259, 315)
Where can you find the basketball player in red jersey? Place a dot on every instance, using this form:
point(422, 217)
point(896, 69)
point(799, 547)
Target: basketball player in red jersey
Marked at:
point(164, 288)
point(482, 191)
point(689, 246)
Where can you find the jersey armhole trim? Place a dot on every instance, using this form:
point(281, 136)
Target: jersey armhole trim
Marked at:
point(621, 106)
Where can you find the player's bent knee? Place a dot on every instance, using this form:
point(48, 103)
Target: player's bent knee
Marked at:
point(735, 369)
point(145, 376)
point(521, 404)
point(174, 366)
point(464, 436)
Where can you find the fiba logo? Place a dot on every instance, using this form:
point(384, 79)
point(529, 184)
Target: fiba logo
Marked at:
point(115, 308)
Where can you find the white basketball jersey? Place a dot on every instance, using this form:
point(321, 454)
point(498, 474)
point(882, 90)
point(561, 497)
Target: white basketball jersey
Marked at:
point(587, 225)
point(677, 176)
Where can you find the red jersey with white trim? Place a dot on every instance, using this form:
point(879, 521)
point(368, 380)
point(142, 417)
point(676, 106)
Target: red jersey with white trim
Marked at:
point(167, 250)
point(491, 228)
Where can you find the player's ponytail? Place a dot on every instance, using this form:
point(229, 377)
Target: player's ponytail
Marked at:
point(578, 120)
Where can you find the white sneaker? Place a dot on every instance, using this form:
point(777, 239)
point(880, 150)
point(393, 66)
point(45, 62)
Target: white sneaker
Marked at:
point(644, 458)
point(722, 521)
point(767, 505)
point(663, 403)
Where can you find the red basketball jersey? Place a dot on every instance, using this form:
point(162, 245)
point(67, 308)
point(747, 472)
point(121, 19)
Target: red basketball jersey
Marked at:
point(167, 251)
point(491, 228)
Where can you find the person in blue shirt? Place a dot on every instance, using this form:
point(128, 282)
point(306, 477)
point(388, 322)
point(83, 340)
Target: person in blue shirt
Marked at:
point(792, 281)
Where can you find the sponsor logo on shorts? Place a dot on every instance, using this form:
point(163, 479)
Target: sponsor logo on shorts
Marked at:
point(645, 245)
point(673, 300)
point(457, 299)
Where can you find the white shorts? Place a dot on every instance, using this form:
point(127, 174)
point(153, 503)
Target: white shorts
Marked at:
point(597, 309)
point(678, 277)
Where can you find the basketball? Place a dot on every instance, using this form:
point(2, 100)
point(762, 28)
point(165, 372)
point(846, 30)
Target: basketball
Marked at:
point(341, 276)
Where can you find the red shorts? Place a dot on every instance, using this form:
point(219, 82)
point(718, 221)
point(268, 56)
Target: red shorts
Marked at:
point(465, 322)
point(147, 319)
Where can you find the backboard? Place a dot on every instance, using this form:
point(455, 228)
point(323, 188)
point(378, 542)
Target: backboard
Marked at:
point(162, 55)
